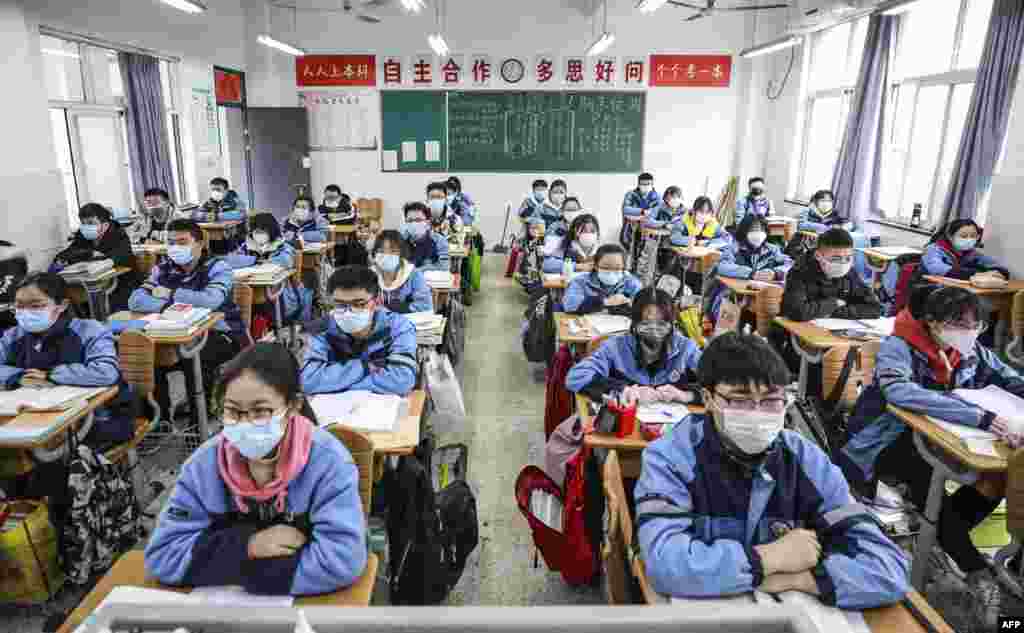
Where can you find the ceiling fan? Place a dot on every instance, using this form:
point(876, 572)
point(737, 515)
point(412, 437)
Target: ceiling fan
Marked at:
point(705, 11)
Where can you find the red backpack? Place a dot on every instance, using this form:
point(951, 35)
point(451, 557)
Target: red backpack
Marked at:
point(558, 401)
point(904, 283)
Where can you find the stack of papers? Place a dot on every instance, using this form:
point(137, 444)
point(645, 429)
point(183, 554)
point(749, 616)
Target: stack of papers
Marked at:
point(263, 272)
point(32, 428)
point(359, 410)
point(439, 279)
point(177, 320)
point(661, 413)
point(88, 269)
point(896, 251)
point(889, 508)
point(53, 399)
point(429, 327)
point(992, 398)
point(605, 324)
point(878, 327)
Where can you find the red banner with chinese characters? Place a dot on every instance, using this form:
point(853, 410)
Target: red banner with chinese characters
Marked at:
point(336, 70)
point(691, 71)
point(227, 86)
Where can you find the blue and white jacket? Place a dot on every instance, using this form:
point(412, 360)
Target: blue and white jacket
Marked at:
point(586, 293)
point(745, 205)
point(700, 513)
point(545, 209)
point(232, 207)
point(430, 252)
point(740, 261)
point(464, 207)
point(940, 258)
point(409, 291)
point(293, 302)
point(635, 203)
point(202, 539)
point(685, 229)
point(385, 362)
point(313, 230)
point(616, 365)
point(811, 219)
point(555, 254)
point(664, 216)
point(75, 352)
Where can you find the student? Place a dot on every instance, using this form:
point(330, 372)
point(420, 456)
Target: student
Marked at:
point(934, 350)
point(654, 362)
point(952, 253)
point(821, 216)
point(428, 250)
point(223, 205)
point(749, 256)
point(823, 284)
point(403, 288)
point(266, 245)
point(459, 202)
point(271, 503)
point(572, 208)
point(443, 220)
point(13, 268)
point(338, 204)
point(639, 201)
point(50, 347)
point(304, 222)
point(754, 202)
point(157, 210)
point(699, 227)
point(730, 502)
point(364, 346)
point(577, 247)
point(537, 203)
point(552, 212)
point(534, 246)
point(189, 275)
point(607, 287)
point(670, 210)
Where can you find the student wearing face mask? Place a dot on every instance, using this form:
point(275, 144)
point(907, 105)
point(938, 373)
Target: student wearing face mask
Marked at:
point(337, 207)
point(608, 287)
point(670, 210)
point(535, 202)
point(933, 350)
point(699, 227)
point(754, 202)
point(749, 256)
point(189, 275)
point(577, 248)
point(403, 289)
point(534, 247)
point(223, 205)
point(459, 202)
point(638, 202)
point(655, 362)
point(272, 503)
point(363, 345)
point(823, 284)
point(157, 210)
point(822, 216)
point(730, 502)
point(428, 250)
point(443, 220)
point(953, 252)
point(267, 245)
point(304, 222)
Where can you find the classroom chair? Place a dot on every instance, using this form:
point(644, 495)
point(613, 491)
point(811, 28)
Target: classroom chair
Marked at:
point(617, 552)
point(361, 448)
point(243, 299)
point(1015, 351)
point(767, 306)
point(861, 374)
point(137, 358)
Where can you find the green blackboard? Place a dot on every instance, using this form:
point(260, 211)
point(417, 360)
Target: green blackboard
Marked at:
point(414, 118)
point(549, 131)
point(546, 131)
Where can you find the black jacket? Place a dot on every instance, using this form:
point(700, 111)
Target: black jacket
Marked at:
point(811, 295)
point(115, 244)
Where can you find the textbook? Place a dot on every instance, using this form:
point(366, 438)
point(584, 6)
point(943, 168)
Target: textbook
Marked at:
point(429, 327)
point(439, 279)
point(53, 399)
point(359, 410)
point(262, 272)
point(547, 508)
point(178, 319)
point(86, 270)
point(604, 324)
point(878, 327)
point(36, 425)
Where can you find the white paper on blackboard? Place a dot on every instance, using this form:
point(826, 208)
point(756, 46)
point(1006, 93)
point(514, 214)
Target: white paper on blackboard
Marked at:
point(389, 160)
point(432, 151)
point(408, 151)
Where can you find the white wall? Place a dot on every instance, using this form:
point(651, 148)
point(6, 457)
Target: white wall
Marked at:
point(690, 133)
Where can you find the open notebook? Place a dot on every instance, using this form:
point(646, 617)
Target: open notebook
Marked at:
point(54, 399)
point(991, 398)
point(604, 324)
point(359, 410)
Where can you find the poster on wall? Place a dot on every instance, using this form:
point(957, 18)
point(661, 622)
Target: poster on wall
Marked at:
point(229, 87)
point(691, 71)
point(205, 127)
point(342, 119)
point(336, 70)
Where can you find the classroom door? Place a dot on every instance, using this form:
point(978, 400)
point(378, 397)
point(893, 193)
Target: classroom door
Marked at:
point(279, 141)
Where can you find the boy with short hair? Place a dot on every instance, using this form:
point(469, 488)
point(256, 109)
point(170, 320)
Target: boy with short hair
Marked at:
point(754, 202)
point(428, 248)
point(223, 205)
point(823, 283)
point(729, 502)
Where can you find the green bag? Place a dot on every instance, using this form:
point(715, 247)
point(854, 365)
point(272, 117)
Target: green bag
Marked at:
point(474, 268)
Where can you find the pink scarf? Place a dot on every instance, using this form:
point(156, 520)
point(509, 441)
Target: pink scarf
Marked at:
point(292, 455)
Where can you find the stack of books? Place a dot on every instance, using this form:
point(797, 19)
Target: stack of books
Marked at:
point(439, 279)
point(429, 327)
point(87, 270)
point(262, 273)
point(180, 319)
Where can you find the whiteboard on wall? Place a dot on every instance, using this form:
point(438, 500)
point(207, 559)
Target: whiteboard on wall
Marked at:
point(342, 119)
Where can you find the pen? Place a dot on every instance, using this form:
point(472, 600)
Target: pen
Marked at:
point(914, 611)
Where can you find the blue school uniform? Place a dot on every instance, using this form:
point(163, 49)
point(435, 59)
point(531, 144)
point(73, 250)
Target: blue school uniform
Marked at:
point(746, 204)
point(555, 254)
point(741, 261)
point(685, 229)
point(940, 258)
point(313, 230)
point(811, 219)
point(664, 216)
point(409, 291)
point(383, 363)
point(616, 365)
point(430, 252)
point(700, 514)
point(586, 293)
point(296, 303)
point(232, 207)
point(202, 538)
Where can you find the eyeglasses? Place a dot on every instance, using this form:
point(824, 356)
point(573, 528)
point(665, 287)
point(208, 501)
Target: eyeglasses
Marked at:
point(259, 414)
point(416, 220)
point(839, 259)
point(35, 305)
point(769, 405)
point(348, 306)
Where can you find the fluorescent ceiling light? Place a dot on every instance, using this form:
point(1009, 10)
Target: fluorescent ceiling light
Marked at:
point(59, 53)
point(188, 6)
point(896, 8)
point(438, 45)
point(788, 41)
point(650, 6)
point(601, 44)
point(266, 40)
point(413, 6)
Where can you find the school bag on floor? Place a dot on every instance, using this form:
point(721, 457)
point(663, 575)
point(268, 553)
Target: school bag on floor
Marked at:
point(558, 401)
point(514, 256)
point(454, 343)
point(539, 339)
point(823, 421)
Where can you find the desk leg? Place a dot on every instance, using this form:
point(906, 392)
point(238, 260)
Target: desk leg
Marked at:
point(99, 306)
point(806, 359)
point(929, 530)
point(199, 398)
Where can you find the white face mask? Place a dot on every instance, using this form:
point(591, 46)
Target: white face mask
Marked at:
point(217, 195)
point(825, 206)
point(962, 341)
point(260, 238)
point(587, 240)
point(557, 199)
point(569, 216)
point(751, 431)
point(756, 238)
point(833, 270)
point(646, 189)
point(301, 214)
point(675, 203)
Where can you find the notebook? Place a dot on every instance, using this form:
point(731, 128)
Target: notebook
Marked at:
point(54, 399)
point(88, 269)
point(33, 427)
point(359, 410)
point(661, 412)
point(263, 272)
point(603, 324)
point(438, 278)
point(896, 251)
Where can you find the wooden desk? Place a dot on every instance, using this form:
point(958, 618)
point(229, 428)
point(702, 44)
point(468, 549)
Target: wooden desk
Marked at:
point(555, 282)
point(811, 342)
point(1000, 298)
point(130, 570)
point(312, 256)
point(584, 337)
point(407, 436)
point(96, 291)
point(742, 287)
point(51, 439)
point(701, 254)
point(441, 294)
point(218, 231)
point(147, 256)
point(783, 227)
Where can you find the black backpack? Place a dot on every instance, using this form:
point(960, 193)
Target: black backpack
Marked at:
point(430, 535)
point(539, 338)
point(823, 421)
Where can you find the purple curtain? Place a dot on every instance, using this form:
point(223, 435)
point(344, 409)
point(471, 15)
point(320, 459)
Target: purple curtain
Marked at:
point(148, 150)
point(987, 120)
point(856, 180)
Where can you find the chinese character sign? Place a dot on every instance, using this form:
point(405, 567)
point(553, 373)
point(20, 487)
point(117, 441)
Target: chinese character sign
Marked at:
point(574, 71)
point(604, 71)
point(481, 70)
point(421, 70)
point(392, 70)
point(336, 70)
point(634, 72)
point(690, 71)
point(545, 69)
point(453, 70)
point(227, 87)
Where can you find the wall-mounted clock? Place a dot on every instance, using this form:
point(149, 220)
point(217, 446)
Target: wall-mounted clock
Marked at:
point(513, 71)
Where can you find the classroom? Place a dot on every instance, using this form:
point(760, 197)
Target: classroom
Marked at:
point(663, 314)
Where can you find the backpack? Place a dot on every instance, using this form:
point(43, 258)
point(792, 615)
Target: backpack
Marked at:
point(558, 401)
point(822, 421)
point(454, 343)
point(539, 338)
point(103, 517)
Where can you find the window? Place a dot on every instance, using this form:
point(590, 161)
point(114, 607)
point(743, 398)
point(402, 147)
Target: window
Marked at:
point(937, 53)
point(835, 62)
